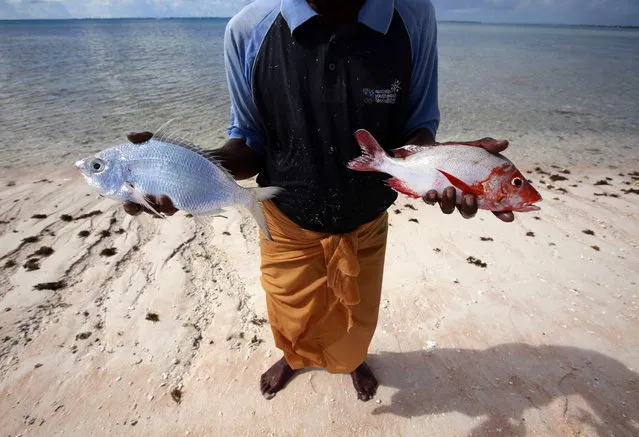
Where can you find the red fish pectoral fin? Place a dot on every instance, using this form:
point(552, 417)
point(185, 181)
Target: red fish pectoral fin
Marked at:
point(401, 187)
point(461, 185)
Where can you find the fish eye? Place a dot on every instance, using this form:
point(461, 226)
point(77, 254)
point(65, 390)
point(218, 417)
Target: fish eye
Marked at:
point(97, 165)
point(517, 182)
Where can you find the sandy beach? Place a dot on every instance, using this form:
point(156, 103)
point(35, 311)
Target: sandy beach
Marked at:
point(113, 325)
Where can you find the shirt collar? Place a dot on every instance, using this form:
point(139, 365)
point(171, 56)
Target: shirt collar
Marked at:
point(376, 14)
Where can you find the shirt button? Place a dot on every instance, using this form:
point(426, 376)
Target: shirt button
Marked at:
point(331, 66)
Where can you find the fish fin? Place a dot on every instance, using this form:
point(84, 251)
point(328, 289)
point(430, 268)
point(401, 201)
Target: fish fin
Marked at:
point(261, 194)
point(401, 187)
point(266, 193)
point(372, 153)
point(140, 198)
point(461, 185)
point(164, 134)
point(408, 150)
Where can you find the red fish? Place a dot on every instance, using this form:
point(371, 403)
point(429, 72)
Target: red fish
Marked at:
point(492, 178)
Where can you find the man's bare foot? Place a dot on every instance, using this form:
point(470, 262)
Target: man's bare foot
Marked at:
point(275, 378)
point(364, 382)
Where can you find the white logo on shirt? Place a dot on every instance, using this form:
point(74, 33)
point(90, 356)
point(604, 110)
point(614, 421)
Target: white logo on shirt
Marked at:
point(386, 96)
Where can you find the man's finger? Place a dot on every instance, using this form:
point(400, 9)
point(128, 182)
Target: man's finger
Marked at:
point(132, 208)
point(468, 207)
point(505, 216)
point(165, 205)
point(431, 197)
point(492, 145)
point(139, 137)
point(447, 203)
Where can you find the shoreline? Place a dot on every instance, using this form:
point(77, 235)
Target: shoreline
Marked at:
point(485, 328)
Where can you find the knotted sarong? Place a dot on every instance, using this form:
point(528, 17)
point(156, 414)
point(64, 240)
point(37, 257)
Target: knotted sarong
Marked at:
point(322, 290)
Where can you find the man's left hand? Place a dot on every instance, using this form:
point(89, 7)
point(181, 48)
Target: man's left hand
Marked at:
point(468, 207)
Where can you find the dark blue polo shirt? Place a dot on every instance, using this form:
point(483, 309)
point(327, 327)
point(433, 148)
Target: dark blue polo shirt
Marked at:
point(300, 88)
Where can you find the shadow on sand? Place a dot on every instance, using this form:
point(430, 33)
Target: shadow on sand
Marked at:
point(502, 382)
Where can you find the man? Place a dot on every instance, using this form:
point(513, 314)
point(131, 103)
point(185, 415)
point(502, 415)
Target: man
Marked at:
point(303, 76)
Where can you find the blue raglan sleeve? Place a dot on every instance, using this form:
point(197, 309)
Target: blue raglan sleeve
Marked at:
point(419, 17)
point(245, 124)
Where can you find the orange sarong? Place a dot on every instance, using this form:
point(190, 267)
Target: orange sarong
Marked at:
point(322, 290)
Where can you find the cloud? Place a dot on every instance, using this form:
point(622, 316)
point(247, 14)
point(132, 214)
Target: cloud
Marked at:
point(518, 11)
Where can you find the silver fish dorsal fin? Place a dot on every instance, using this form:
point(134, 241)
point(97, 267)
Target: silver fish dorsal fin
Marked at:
point(164, 134)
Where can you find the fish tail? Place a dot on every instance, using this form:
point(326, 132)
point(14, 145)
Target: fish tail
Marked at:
point(373, 156)
point(259, 195)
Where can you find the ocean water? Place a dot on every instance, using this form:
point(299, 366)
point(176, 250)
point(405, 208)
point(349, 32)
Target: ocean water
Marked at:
point(564, 95)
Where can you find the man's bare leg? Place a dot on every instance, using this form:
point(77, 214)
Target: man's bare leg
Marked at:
point(364, 382)
point(275, 378)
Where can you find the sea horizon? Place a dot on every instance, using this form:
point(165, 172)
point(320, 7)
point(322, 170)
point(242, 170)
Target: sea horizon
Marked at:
point(226, 18)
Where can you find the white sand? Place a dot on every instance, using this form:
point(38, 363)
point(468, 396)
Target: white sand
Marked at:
point(544, 341)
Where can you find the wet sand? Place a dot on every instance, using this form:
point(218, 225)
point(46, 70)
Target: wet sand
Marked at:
point(113, 325)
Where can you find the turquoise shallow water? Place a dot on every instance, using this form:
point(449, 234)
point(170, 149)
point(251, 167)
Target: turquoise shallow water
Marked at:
point(561, 94)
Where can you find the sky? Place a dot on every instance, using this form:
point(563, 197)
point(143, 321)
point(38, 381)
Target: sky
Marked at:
point(608, 12)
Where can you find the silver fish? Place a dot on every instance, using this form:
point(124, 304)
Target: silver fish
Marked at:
point(167, 165)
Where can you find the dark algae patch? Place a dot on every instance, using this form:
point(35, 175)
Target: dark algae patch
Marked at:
point(32, 264)
point(530, 234)
point(109, 251)
point(84, 234)
point(43, 251)
point(10, 263)
point(557, 177)
point(476, 261)
point(50, 285)
point(414, 220)
point(602, 182)
point(588, 232)
point(409, 206)
point(176, 395)
point(33, 239)
point(596, 248)
point(89, 214)
point(66, 218)
point(486, 239)
point(83, 335)
point(152, 317)
point(39, 216)
point(105, 234)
